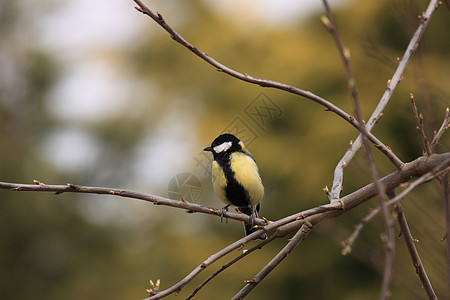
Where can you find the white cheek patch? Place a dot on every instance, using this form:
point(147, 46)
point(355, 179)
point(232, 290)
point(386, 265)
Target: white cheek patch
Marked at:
point(222, 147)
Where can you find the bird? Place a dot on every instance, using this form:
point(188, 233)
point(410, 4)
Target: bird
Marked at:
point(236, 178)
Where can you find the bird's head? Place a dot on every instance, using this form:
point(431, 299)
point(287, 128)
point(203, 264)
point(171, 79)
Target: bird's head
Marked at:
point(225, 144)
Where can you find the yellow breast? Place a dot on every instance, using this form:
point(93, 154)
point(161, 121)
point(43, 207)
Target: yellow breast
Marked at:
point(219, 182)
point(246, 173)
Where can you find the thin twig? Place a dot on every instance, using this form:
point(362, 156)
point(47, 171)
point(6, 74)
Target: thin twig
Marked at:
point(445, 125)
point(388, 259)
point(347, 244)
point(419, 120)
point(291, 245)
point(407, 236)
point(330, 23)
point(388, 222)
point(445, 184)
point(390, 87)
point(158, 18)
point(230, 263)
point(176, 288)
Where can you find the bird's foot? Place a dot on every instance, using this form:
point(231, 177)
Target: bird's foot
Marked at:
point(222, 214)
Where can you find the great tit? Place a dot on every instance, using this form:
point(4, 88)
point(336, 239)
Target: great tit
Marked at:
point(235, 177)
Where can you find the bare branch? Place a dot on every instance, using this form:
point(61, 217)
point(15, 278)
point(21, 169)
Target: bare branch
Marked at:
point(206, 263)
point(419, 120)
point(315, 215)
point(229, 264)
point(426, 168)
point(439, 170)
point(265, 82)
point(291, 245)
point(157, 200)
point(445, 125)
point(347, 244)
point(389, 240)
point(330, 23)
point(420, 166)
point(406, 233)
point(445, 184)
point(299, 217)
point(389, 224)
point(390, 87)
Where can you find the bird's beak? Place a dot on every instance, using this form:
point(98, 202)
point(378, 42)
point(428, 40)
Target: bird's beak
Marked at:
point(208, 149)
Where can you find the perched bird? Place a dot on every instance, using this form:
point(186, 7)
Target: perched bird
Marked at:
point(236, 178)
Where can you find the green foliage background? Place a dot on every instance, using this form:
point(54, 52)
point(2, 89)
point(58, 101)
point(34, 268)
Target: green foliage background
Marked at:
point(91, 247)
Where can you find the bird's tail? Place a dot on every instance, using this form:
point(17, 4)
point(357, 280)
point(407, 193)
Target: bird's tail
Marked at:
point(249, 228)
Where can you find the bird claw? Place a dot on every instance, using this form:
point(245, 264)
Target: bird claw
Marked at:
point(252, 220)
point(222, 214)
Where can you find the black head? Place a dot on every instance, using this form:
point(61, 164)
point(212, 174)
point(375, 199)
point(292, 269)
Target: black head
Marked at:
point(224, 145)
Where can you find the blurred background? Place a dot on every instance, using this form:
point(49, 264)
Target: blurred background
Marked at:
point(98, 94)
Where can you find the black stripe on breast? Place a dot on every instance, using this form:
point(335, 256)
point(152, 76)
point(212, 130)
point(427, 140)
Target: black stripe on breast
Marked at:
point(234, 191)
